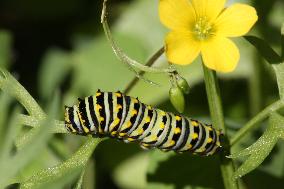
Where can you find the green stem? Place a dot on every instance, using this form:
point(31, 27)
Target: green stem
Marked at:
point(77, 161)
point(255, 87)
point(58, 126)
point(149, 63)
point(282, 42)
point(255, 120)
point(216, 112)
point(10, 85)
point(121, 55)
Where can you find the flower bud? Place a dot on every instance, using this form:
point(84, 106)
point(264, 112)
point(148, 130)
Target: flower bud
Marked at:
point(183, 85)
point(177, 98)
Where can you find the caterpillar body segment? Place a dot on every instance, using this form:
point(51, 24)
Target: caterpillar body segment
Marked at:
point(116, 115)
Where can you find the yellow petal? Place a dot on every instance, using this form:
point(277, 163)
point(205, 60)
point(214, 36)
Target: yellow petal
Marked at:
point(236, 20)
point(176, 13)
point(181, 47)
point(220, 54)
point(208, 9)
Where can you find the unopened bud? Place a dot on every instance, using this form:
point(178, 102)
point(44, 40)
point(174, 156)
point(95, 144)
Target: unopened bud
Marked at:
point(177, 98)
point(183, 85)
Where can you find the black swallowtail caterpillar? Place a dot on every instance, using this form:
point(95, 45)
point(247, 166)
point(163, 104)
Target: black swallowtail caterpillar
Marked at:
point(119, 116)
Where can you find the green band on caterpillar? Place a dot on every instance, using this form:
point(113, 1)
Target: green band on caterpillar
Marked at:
point(116, 115)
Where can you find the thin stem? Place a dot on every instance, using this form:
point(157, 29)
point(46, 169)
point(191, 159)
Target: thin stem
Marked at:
point(255, 120)
point(58, 126)
point(282, 42)
point(255, 87)
point(216, 112)
point(121, 55)
point(149, 63)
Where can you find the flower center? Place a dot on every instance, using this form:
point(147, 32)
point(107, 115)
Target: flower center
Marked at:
point(202, 29)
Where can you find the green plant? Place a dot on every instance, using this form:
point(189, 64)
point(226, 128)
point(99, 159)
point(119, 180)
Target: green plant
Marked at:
point(74, 165)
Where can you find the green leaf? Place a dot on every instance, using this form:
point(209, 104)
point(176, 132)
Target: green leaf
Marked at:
point(11, 167)
point(258, 151)
point(264, 49)
point(55, 66)
point(76, 162)
point(80, 181)
point(10, 135)
point(279, 70)
point(5, 102)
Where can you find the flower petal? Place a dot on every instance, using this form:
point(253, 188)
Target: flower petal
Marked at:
point(181, 47)
point(209, 9)
point(236, 20)
point(220, 54)
point(176, 14)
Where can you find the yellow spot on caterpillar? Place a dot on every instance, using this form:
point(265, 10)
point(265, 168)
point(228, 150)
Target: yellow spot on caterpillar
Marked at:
point(154, 138)
point(194, 123)
point(122, 134)
point(149, 107)
point(134, 112)
point(113, 133)
point(98, 107)
point(116, 121)
point(178, 118)
point(209, 128)
point(209, 140)
point(135, 100)
point(128, 124)
point(162, 126)
point(98, 94)
point(130, 139)
point(163, 113)
point(145, 145)
point(177, 130)
point(200, 150)
point(102, 119)
point(118, 107)
point(118, 94)
point(194, 136)
point(172, 143)
point(148, 119)
point(140, 131)
point(189, 146)
point(217, 143)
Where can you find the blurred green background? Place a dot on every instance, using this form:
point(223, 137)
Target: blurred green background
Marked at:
point(60, 46)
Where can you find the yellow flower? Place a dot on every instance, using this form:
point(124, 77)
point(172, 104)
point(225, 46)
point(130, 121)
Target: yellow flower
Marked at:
point(204, 26)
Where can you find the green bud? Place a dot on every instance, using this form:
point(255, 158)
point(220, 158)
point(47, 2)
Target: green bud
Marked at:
point(177, 99)
point(183, 85)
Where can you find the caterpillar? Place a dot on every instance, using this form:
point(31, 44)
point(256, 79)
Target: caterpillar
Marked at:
point(116, 115)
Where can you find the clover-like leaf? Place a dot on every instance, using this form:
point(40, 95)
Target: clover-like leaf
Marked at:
point(258, 151)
